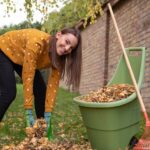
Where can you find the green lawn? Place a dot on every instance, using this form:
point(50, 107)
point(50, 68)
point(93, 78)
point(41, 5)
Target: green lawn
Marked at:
point(66, 120)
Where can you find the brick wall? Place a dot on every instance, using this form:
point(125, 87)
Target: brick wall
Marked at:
point(101, 49)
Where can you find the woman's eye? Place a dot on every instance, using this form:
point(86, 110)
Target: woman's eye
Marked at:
point(67, 41)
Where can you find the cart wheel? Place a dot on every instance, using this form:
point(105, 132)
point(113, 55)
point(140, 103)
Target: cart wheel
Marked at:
point(133, 142)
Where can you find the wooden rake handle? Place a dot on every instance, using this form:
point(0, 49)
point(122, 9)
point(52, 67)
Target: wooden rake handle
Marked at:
point(127, 61)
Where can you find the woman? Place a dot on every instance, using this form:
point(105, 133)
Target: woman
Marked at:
point(27, 51)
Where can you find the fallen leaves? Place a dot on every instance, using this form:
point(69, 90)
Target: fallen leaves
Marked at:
point(109, 93)
point(1, 124)
point(37, 140)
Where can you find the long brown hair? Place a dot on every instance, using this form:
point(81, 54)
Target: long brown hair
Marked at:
point(69, 64)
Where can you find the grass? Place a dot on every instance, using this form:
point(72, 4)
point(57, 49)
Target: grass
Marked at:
point(66, 120)
point(12, 127)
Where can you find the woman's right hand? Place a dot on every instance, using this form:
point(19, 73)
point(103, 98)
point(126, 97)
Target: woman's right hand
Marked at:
point(29, 118)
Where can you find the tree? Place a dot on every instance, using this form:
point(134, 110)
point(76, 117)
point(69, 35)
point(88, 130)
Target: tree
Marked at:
point(22, 25)
point(71, 13)
point(30, 6)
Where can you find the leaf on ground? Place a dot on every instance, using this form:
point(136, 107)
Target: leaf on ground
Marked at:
point(36, 140)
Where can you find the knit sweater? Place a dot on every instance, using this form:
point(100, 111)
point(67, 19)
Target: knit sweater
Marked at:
point(29, 48)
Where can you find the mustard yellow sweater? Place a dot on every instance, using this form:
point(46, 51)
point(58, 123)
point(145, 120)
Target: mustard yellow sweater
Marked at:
point(29, 48)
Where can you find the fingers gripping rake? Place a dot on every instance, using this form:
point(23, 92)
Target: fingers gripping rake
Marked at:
point(144, 142)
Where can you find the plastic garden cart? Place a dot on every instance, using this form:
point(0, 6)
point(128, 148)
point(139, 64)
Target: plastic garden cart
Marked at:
point(111, 125)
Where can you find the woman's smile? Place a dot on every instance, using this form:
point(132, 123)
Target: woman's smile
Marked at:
point(65, 43)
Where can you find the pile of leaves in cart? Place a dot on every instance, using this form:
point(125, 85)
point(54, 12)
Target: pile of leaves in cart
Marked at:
point(109, 93)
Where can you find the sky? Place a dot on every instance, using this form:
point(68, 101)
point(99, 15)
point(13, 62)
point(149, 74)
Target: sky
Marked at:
point(19, 16)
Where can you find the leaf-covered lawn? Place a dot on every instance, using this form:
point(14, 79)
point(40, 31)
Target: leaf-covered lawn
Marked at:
point(66, 120)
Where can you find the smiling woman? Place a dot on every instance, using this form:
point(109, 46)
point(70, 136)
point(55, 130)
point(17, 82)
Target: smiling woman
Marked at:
point(27, 51)
point(65, 43)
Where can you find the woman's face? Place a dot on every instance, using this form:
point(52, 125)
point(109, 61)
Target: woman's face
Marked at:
point(65, 43)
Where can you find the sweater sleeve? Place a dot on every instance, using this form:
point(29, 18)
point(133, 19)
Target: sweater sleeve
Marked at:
point(52, 87)
point(28, 73)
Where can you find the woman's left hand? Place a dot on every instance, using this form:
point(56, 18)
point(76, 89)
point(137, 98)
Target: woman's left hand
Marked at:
point(47, 117)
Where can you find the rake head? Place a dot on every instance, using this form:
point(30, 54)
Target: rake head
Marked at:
point(144, 142)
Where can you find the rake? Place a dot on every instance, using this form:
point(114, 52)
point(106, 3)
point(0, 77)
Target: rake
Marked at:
point(144, 142)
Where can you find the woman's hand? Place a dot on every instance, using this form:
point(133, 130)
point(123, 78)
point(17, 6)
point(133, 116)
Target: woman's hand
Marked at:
point(47, 117)
point(29, 118)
